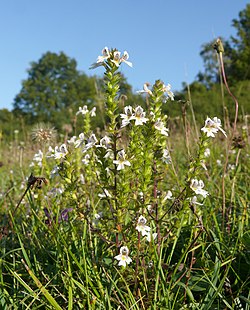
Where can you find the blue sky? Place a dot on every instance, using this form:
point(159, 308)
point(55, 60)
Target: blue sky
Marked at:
point(162, 37)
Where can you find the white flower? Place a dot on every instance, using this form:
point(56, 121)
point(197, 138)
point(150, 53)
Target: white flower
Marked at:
point(105, 194)
point(61, 151)
point(197, 187)
point(38, 158)
point(167, 90)
point(117, 60)
point(127, 116)
point(142, 227)
point(212, 126)
point(83, 110)
point(92, 140)
point(80, 141)
point(121, 160)
point(92, 112)
point(139, 116)
point(85, 160)
point(194, 201)
point(159, 125)
point(54, 172)
point(150, 236)
point(168, 196)
point(100, 59)
point(105, 142)
point(166, 157)
point(207, 152)
point(72, 140)
point(145, 89)
point(123, 257)
point(218, 162)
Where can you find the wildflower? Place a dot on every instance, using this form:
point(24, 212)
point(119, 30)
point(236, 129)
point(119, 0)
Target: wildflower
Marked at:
point(127, 116)
point(168, 196)
point(197, 187)
point(166, 157)
point(212, 126)
point(150, 236)
point(80, 141)
point(142, 227)
point(72, 140)
point(100, 59)
point(139, 116)
point(38, 158)
point(207, 152)
point(194, 201)
point(60, 152)
point(85, 160)
point(117, 60)
point(121, 161)
point(123, 257)
point(218, 162)
point(42, 132)
point(145, 89)
point(105, 194)
point(92, 112)
point(92, 140)
point(167, 89)
point(82, 110)
point(54, 172)
point(105, 142)
point(159, 125)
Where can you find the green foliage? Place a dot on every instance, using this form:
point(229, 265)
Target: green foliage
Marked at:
point(54, 90)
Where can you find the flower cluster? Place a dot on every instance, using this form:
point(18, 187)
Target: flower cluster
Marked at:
point(84, 110)
point(212, 126)
point(115, 57)
point(166, 89)
point(138, 115)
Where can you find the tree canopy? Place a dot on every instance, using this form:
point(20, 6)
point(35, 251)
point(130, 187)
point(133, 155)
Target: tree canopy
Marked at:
point(53, 87)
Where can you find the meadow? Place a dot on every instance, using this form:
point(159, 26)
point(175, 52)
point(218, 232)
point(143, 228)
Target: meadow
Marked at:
point(143, 214)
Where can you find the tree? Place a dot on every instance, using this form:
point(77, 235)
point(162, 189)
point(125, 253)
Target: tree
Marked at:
point(53, 88)
point(240, 51)
point(236, 56)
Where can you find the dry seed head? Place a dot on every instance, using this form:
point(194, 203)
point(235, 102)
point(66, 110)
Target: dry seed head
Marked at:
point(43, 133)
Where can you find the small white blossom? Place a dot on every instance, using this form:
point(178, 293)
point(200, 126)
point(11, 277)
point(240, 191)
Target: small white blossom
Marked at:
point(150, 236)
point(72, 140)
point(92, 140)
point(92, 112)
point(167, 90)
point(139, 116)
point(118, 59)
point(194, 201)
point(121, 160)
point(127, 116)
point(54, 172)
point(145, 89)
point(58, 152)
point(141, 226)
point(123, 257)
point(85, 160)
point(79, 142)
point(197, 187)
point(159, 125)
point(218, 162)
point(169, 196)
point(166, 158)
point(105, 142)
point(100, 59)
point(212, 126)
point(105, 194)
point(207, 152)
point(83, 110)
